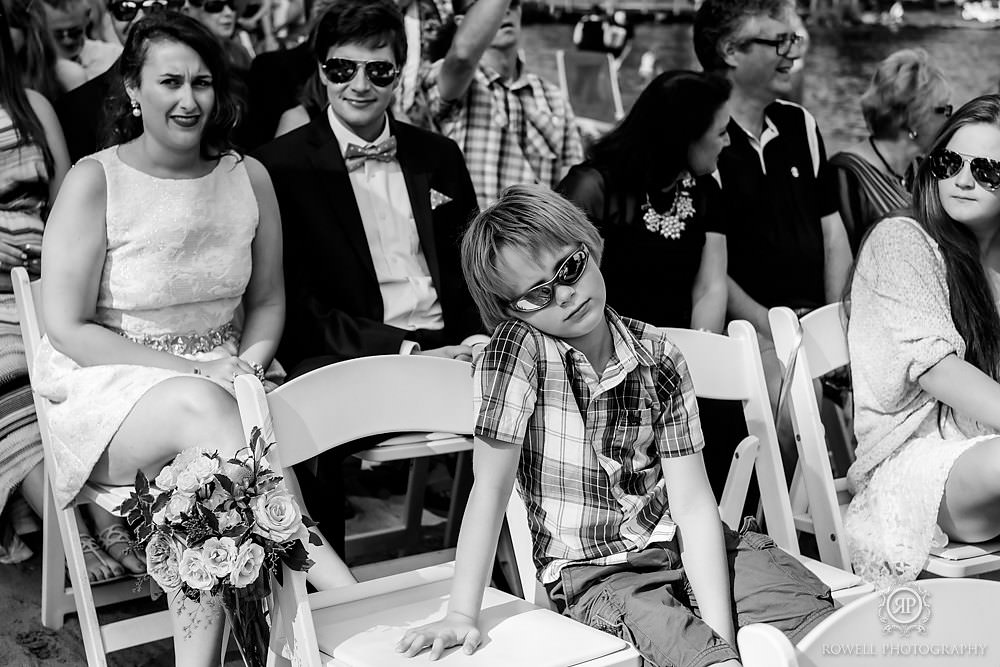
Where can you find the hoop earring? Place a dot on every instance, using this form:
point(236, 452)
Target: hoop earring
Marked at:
point(136, 111)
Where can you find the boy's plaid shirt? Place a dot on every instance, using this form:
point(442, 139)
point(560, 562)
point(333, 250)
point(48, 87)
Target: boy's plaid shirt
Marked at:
point(590, 470)
point(511, 132)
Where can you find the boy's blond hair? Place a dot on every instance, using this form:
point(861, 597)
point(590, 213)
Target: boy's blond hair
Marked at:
point(529, 218)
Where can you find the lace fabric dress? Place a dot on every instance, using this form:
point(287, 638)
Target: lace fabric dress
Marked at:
point(900, 326)
point(178, 262)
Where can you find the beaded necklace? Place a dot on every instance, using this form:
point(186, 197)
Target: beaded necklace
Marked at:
point(669, 225)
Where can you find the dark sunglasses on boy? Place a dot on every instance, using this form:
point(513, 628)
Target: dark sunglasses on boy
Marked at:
point(126, 10)
point(945, 163)
point(381, 73)
point(213, 6)
point(569, 273)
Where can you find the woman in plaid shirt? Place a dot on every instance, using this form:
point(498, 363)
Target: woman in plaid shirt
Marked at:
point(596, 417)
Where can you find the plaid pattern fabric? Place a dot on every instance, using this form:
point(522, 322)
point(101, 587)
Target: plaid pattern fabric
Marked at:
point(590, 472)
point(511, 132)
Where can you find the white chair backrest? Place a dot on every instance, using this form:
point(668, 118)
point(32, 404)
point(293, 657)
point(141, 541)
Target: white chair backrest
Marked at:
point(953, 614)
point(28, 295)
point(369, 396)
point(823, 348)
point(729, 368)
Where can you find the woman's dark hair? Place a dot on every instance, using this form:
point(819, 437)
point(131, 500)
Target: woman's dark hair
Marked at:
point(172, 27)
point(14, 97)
point(649, 148)
point(972, 307)
point(37, 58)
point(374, 22)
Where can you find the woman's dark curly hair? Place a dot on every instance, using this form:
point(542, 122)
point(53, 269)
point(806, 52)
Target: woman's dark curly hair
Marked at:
point(171, 27)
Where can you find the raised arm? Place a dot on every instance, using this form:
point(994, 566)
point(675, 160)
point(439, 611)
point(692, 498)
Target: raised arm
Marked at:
point(494, 464)
point(475, 31)
point(264, 299)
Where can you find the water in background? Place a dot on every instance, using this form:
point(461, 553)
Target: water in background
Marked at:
point(839, 65)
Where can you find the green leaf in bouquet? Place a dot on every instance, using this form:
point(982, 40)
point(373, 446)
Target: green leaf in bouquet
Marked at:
point(315, 539)
point(234, 532)
point(279, 576)
point(295, 556)
point(225, 482)
point(143, 532)
point(141, 483)
point(308, 522)
point(127, 505)
point(161, 501)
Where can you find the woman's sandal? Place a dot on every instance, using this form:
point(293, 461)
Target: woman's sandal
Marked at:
point(99, 557)
point(117, 542)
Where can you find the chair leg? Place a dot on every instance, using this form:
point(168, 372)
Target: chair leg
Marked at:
point(460, 489)
point(86, 611)
point(54, 599)
point(414, 506)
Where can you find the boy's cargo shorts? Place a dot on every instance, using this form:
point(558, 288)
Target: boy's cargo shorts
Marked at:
point(649, 603)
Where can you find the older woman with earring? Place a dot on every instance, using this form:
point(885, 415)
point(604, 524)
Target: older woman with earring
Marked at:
point(904, 107)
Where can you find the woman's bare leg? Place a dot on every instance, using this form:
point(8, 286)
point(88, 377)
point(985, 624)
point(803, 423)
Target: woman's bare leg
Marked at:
point(197, 629)
point(970, 508)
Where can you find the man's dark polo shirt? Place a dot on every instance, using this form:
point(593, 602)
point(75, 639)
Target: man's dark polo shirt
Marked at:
point(774, 235)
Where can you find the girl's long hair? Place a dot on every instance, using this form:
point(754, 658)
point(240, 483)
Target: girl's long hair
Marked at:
point(37, 59)
point(973, 309)
point(14, 98)
point(649, 147)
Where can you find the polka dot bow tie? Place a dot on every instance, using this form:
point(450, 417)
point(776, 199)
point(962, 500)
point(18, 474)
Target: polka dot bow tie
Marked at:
point(355, 156)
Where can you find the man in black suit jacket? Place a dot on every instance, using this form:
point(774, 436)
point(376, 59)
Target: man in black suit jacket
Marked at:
point(372, 213)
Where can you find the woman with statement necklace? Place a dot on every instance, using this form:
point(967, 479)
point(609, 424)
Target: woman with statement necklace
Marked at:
point(904, 107)
point(647, 185)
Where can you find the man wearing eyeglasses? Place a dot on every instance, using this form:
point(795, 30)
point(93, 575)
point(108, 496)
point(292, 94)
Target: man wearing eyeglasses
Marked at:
point(786, 242)
point(512, 126)
point(81, 111)
point(67, 21)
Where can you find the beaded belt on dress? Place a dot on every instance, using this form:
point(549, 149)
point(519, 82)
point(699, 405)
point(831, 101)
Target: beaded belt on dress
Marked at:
point(186, 343)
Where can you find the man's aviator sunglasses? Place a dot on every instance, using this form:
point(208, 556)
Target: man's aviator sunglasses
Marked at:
point(126, 10)
point(783, 43)
point(341, 70)
point(568, 273)
point(946, 163)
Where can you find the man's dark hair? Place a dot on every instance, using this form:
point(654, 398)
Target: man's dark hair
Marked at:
point(375, 23)
point(718, 20)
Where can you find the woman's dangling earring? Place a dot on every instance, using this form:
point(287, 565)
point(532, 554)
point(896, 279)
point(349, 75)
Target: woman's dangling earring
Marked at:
point(136, 111)
point(911, 134)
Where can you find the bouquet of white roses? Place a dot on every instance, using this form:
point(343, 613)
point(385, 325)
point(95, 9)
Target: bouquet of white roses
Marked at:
point(221, 527)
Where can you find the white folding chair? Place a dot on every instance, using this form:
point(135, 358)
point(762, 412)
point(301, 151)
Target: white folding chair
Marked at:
point(729, 368)
point(928, 621)
point(347, 626)
point(61, 533)
point(820, 342)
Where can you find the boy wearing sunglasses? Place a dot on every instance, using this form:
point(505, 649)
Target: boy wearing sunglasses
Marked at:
point(596, 416)
point(67, 21)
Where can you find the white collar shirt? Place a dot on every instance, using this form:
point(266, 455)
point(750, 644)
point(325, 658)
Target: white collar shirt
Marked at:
point(409, 298)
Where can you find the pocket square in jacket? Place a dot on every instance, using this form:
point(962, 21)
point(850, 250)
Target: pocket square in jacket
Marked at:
point(438, 198)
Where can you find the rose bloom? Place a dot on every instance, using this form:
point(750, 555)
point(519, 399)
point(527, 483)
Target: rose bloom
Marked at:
point(167, 573)
point(177, 505)
point(277, 515)
point(167, 479)
point(247, 566)
point(219, 554)
point(194, 571)
point(188, 482)
point(204, 467)
point(159, 548)
point(229, 519)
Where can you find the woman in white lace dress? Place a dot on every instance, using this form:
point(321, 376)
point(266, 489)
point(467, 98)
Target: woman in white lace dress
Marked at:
point(151, 248)
point(924, 337)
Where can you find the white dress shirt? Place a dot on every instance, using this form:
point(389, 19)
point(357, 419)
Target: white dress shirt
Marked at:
point(409, 298)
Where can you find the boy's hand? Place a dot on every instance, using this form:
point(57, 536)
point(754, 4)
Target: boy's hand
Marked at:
point(452, 630)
